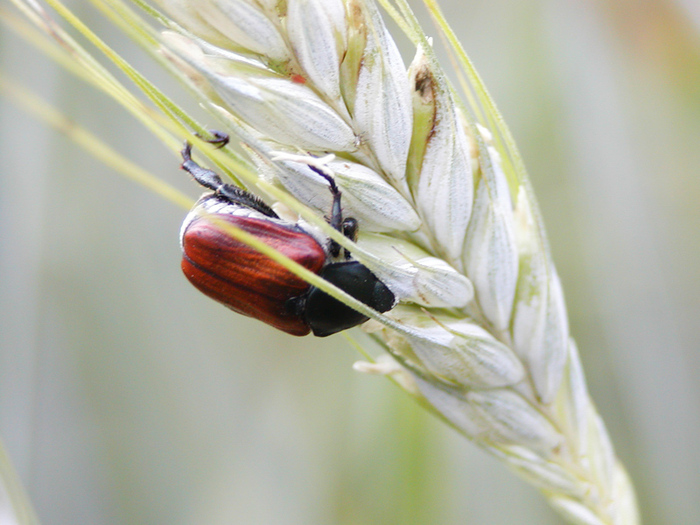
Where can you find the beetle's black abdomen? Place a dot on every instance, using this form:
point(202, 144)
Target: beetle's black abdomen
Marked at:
point(326, 315)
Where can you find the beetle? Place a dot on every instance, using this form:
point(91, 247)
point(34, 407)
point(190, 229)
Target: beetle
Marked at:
point(250, 283)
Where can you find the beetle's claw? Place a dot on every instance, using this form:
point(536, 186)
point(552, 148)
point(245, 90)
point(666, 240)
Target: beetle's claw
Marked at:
point(220, 138)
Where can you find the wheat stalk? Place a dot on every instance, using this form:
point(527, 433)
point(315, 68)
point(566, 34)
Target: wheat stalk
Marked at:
point(447, 220)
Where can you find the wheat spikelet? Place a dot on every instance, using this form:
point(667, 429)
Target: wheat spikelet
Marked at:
point(481, 332)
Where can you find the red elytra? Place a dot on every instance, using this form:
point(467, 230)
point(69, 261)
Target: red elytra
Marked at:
point(242, 278)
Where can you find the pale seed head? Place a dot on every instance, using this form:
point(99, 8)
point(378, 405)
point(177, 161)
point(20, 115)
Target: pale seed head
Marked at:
point(446, 222)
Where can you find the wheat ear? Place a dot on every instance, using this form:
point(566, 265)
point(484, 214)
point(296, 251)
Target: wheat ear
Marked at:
point(447, 220)
point(481, 333)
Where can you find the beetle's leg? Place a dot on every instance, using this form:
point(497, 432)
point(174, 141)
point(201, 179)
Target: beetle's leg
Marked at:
point(220, 138)
point(236, 195)
point(336, 218)
point(231, 193)
point(205, 177)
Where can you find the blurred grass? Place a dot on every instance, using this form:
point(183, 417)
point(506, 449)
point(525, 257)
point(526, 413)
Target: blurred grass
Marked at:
point(127, 397)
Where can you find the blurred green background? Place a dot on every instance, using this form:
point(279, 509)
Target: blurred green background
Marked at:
point(128, 397)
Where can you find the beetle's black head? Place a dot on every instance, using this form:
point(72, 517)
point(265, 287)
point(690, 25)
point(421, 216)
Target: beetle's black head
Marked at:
point(326, 315)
